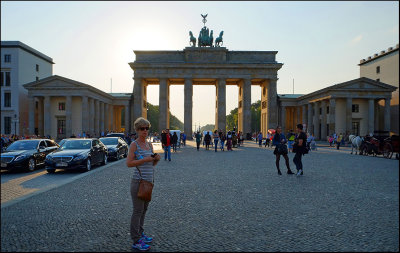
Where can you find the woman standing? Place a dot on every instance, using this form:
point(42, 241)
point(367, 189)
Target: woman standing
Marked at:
point(229, 141)
point(279, 141)
point(174, 141)
point(216, 139)
point(223, 138)
point(207, 139)
point(140, 156)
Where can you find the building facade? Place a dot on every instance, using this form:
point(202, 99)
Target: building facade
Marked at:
point(20, 64)
point(384, 67)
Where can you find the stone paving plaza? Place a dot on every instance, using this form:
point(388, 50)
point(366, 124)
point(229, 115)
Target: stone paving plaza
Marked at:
point(224, 201)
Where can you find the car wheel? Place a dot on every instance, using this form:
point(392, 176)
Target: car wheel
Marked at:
point(104, 160)
point(51, 171)
point(88, 165)
point(31, 164)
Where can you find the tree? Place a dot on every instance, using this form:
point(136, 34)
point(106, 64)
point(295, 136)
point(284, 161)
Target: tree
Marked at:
point(232, 118)
point(153, 113)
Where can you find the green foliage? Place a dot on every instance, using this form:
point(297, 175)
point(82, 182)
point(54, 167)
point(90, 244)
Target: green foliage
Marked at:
point(208, 127)
point(152, 115)
point(232, 119)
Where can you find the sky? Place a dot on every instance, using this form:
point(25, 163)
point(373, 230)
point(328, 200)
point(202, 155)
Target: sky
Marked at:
point(319, 43)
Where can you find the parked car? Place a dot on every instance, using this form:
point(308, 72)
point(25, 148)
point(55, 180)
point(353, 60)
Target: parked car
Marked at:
point(77, 153)
point(122, 135)
point(27, 154)
point(116, 147)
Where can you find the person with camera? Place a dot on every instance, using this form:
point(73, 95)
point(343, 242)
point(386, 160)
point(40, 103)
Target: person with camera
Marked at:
point(279, 141)
point(300, 149)
point(141, 156)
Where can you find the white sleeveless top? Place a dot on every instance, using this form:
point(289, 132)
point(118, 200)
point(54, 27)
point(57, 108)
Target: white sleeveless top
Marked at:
point(146, 169)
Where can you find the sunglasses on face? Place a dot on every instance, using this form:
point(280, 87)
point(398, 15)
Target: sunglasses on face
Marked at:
point(143, 128)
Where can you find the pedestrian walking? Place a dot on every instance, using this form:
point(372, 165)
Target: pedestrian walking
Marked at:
point(339, 140)
point(216, 139)
point(207, 140)
point(268, 139)
point(229, 141)
point(166, 142)
point(174, 141)
point(300, 149)
point(223, 139)
point(279, 141)
point(198, 140)
point(259, 137)
point(141, 157)
point(291, 136)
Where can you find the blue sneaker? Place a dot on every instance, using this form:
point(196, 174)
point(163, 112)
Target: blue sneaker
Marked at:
point(141, 245)
point(146, 239)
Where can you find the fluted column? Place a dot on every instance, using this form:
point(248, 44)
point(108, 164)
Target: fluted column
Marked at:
point(332, 112)
point(40, 116)
point(387, 115)
point(310, 128)
point(188, 110)
point(96, 118)
point(85, 114)
point(283, 119)
point(316, 121)
point(91, 117)
point(106, 118)
point(246, 106)
point(304, 115)
point(138, 98)
point(68, 116)
point(46, 112)
point(101, 117)
point(323, 121)
point(163, 121)
point(220, 112)
point(32, 107)
point(272, 104)
point(349, 114)
point(126, 118)
point(111, 111)
point(371, 111)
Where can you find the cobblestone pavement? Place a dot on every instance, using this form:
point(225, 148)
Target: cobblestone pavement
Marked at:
point(224, 201)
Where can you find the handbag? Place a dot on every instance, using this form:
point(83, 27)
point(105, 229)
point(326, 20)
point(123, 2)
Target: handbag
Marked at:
point(145, 189)
point(282, 149)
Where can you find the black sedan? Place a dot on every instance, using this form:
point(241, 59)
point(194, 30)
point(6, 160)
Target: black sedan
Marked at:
point(77, 153)
point(116, 146)
point(27, 154)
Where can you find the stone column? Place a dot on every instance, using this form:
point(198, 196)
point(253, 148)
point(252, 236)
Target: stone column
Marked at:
point(68, 116)
point(96, 118)
point(246, 106)
point(310, 119)
point(349, 115)
point(101, 117)
point(297, 117)
point(387, 115)
point(188, 110)
point(40, 116)
point(371, 117)
point(111, 111)
point(272, 104)
point(32, 106)
point(220, 112)
point(304, 115)
point(264, 106)
point(91, 116)
point(316, 121)
point(138, 98)
point(332, 109)
point(106, 118)
point(126, 118)
point(47, 120)
point(323, 121)
point(163, 120)
point(85, 114)
point(283, 119)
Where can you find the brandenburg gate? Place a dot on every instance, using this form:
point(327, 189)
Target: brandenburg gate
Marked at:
point(208, 64)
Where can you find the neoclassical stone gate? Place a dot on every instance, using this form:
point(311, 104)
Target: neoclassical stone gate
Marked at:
point(208, 66)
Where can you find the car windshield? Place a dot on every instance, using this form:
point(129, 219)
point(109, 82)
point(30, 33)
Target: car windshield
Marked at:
point(23, 145)
point(77, 144)
point(109, 141)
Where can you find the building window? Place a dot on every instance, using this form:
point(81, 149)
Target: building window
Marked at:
point(37, 78)
point(355, 108)
point(37, 67)
point(7, 58)
point(61, 106)
point(327, 109)
point(7, 125)
point(378, 69)
point(2, 79)
point(8, 79)
point(378, 80)
point(61, 126)
point(355, 128)
point(7, 99)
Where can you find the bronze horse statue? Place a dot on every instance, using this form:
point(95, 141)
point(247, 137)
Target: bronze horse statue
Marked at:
point(218, 40)
point(192, 41)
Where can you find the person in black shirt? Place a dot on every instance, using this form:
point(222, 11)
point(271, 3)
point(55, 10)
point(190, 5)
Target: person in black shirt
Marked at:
point(299, 148)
